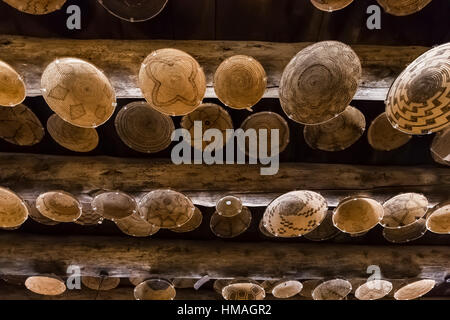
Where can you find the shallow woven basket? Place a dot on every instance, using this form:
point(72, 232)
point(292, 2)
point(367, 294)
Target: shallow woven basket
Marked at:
point(440, 147)
point(194, 222)
point(373, 290)
point(48, 285)
point(134, 10)
point(336, 289)
point(243, 289)
point(406, 234)
point(59, 206)
point(418, 102)
point(240, 82)
point(12, 86)
point(338, 133)
point(383, 136)
point(20, 126)
point(414, 290)
point(100, 283)
point(172, 82)
point(438, 220)
point(230, 227)
point(114, 205)
point(269, 121)
point(155, 289)
point(320, 82)
point(166, 208)
point(331, 5)
point(212, 116)
point(13, 210)
point(136, 226)
point(72, 137)
point(403, 7)
point(404, 209)
point(35, 215)
point(144, 129)
point(229, 206)
point(36, 7)
point(88, 216)
point(295, 213)
point(285, 289)
point(357, 215)
point(78, 92)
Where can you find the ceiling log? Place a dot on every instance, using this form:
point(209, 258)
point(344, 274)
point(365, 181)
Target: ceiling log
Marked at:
point(28, 254)
point(31, 174)
point(121, 60)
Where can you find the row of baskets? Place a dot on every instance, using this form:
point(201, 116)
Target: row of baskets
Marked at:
point(405, 217)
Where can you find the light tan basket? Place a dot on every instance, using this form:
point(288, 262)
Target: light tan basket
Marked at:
point(78, 92)
point(12, 86)
point(13, 210)
point(59, 206)
point(404, 209)
point(240, 82)
point(414, 290)
point(20, 126)
point(48, 285)
point(166, 208)
point(357, 215)
point(438, 220)
point(406, 234)
point(320, 82)
point(36, 7)
point(403, 7)
point(419, 100)
point(136, 226)
point(172, 82)
point(336, 289)
point(331, 5)
point(286, 288)
point(373, 290)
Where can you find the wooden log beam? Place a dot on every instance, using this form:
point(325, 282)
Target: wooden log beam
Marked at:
point(121, 60)
point(27, 254)
point(30, 174)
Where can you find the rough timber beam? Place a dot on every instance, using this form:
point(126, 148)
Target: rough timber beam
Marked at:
point(27, 254)
point(121, 60)
point(29, 175)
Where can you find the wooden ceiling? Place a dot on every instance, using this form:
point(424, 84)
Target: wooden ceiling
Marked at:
point(243, 20)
